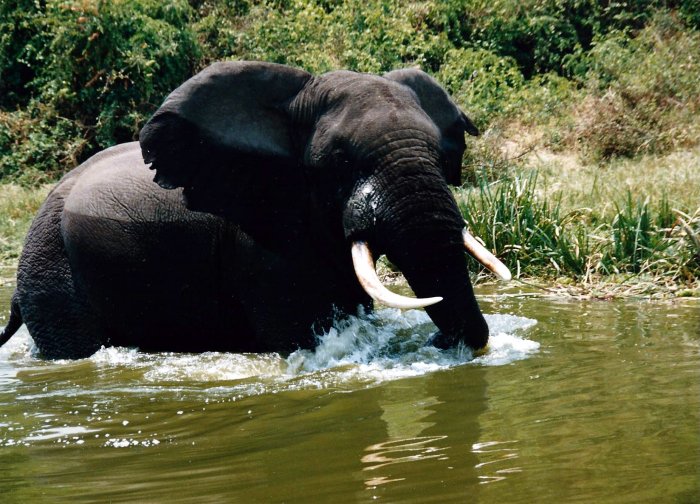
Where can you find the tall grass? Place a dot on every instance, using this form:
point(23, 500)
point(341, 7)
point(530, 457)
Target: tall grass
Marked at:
point(534, 237)
point(531, 234)
point(18, 205)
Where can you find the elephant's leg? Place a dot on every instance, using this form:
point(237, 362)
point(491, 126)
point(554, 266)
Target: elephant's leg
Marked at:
point(56, 313)
point(58, 319)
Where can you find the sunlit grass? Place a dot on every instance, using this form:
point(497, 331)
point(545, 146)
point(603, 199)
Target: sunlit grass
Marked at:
point(628, 220)
point(674, 178)
point(18, 205)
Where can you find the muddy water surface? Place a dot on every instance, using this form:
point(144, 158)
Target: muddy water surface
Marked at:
point(575, 401)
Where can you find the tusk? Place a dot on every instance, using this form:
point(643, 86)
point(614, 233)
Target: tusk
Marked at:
point(481, 254)
point(364, 269)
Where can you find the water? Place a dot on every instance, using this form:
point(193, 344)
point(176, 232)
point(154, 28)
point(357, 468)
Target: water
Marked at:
point(574, 401)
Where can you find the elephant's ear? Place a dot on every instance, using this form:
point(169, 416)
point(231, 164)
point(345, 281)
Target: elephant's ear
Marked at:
point(234, 107)
point(446, 115)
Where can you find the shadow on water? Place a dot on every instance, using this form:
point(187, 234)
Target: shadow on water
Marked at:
point(597, 402)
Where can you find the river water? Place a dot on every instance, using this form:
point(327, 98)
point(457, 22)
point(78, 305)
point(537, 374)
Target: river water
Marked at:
point(574, 401)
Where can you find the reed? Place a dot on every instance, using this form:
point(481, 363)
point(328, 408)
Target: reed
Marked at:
point(535, 237)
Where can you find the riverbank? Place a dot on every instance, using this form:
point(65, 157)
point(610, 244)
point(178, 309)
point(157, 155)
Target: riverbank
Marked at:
point(623, 227)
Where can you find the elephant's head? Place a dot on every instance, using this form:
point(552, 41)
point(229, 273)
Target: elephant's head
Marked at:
point(348, 161)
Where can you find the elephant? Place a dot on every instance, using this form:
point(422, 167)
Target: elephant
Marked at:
point(274, 192)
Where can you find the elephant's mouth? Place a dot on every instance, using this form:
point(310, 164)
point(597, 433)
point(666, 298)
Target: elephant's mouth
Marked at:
point(364, 265)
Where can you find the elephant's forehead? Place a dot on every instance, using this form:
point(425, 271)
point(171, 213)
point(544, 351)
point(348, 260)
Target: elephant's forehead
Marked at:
point(119, 186)
point(357, 90)
point(366, 107)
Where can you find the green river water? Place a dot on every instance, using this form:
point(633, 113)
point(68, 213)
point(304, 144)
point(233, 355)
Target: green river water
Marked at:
point(574, 401)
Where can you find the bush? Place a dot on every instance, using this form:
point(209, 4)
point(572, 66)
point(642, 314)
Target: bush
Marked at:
point(483, 82)
point(101, 67)
point(18, 29)
point(642, 93)
point(544, 36)
point(366, 36)
point(36, 144)
point(79, 75)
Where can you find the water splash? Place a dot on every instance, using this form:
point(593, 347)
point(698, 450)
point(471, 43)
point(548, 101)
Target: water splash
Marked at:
point(370, 348)
point(390, 344)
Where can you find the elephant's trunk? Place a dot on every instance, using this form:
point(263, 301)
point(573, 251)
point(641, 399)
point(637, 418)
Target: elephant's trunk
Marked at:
point(415, 221)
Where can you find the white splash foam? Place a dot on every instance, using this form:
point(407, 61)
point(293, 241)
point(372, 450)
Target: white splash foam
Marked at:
point(20, 346)
point(213, 366)
point(385, 345)
point(505, 348)
point(391, 344)
point(118, 356)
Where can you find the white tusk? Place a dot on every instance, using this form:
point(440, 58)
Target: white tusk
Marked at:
point(364, 269)
point(481, 254)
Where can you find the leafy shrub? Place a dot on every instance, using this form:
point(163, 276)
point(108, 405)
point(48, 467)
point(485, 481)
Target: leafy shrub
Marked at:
point(220, 27)
point(18, 29)
point(109, 64)
point(482, 81)
point(642, 93)
point(36, 144)
point(489, 86)
point(83, 74)
point(367, 36)
point(543, 36)
point(101, 66)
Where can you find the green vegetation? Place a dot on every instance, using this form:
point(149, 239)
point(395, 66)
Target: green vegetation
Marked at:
point(586, 168)
point(17, 206)
point(76, 77)
point(572, 231)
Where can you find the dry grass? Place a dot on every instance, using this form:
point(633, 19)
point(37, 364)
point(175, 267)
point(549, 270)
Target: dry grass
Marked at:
point(674, 177)
point(18, 205)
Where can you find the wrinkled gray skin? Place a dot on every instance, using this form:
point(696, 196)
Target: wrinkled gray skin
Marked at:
point(265, 176)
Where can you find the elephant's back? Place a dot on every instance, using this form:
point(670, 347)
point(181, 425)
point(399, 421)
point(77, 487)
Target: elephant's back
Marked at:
point(116, 184)
point(142, 259)
point(115, 213)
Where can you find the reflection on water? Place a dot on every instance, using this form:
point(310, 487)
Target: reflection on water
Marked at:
point(398, 451)
point(499, 453)
point(594, 402)
point(405, 411)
